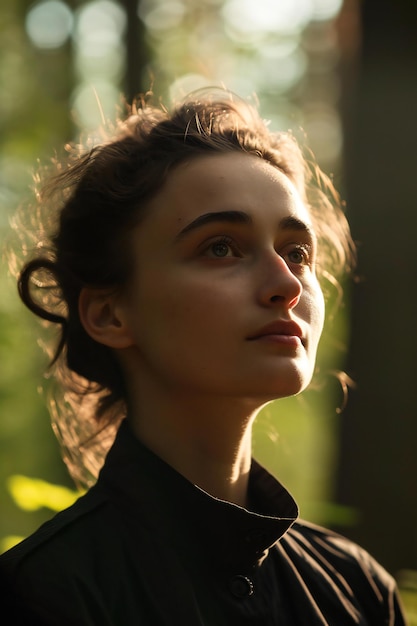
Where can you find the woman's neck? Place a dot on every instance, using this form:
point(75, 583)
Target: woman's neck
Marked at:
point(208, 443)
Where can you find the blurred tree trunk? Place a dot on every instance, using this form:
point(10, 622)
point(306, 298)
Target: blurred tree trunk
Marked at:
point(378, 439)
point(136, 80)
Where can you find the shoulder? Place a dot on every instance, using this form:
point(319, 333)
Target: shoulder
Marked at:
point(337, 570)
point(42, 578)
point(64, 536)
point(335, 550)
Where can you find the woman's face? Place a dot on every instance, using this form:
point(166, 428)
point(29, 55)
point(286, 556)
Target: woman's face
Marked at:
point(223, 298)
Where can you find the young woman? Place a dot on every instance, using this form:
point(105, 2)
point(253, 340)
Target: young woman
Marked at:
point(181, 260)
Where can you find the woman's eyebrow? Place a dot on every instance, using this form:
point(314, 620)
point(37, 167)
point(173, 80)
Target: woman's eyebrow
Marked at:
point(240, 217)
point(294, 223)
point(231, 217)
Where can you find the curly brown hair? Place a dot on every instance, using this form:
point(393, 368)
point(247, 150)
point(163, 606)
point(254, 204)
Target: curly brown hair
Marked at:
point(79, 231)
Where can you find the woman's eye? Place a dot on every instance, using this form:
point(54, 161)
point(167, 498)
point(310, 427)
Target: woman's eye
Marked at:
point(221, 249)
point(299, 255)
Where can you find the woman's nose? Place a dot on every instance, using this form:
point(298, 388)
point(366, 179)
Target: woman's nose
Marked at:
point(279, 285)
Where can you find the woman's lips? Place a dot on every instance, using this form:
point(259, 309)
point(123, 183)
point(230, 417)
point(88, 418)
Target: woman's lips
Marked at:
point(285, 340)
point(280, 331)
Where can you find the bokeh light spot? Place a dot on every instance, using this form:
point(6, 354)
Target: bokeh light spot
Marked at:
point(163, 16)
point(247, 16)
point(49, 24)
point(91, 103)
point(326, 9)
point(100, 24)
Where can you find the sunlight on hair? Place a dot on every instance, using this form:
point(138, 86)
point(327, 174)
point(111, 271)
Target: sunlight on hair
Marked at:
point(94, 102)
point(186, 84)
point(324, 130)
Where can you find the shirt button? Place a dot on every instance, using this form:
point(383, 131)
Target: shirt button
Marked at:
point(241, 586)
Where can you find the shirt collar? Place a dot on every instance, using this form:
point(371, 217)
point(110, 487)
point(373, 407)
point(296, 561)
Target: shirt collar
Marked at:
point(232, 536)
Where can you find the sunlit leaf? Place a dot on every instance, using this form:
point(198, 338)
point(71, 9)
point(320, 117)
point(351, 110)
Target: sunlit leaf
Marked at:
point(9, 542)
point(31, 494)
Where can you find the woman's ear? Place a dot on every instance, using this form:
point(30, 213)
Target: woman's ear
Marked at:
point(101, 315)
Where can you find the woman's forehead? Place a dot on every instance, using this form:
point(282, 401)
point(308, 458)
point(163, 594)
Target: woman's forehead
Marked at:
point(229, 182)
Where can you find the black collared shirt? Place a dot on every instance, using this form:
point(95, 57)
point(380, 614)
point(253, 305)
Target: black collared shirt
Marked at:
point(146, 547)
